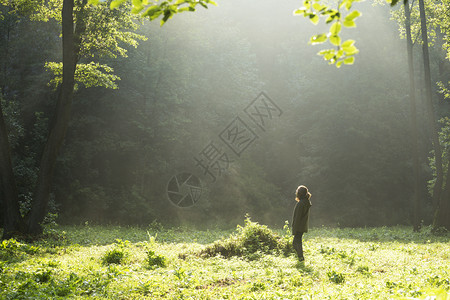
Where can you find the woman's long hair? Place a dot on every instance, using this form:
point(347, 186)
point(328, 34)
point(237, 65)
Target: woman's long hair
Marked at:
point(302, 192)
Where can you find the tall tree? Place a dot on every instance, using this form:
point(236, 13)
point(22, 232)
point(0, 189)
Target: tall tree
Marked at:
point(81, 38)
point(442, 17)
point(12, 218)
point(437, 190)
point(71, 42)
point(431, 24)
point(413, 112)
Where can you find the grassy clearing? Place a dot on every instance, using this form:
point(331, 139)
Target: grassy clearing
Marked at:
point(112, 262)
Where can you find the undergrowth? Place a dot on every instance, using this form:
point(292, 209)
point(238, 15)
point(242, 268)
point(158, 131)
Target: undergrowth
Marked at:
point(249, 241)
point(252, 262)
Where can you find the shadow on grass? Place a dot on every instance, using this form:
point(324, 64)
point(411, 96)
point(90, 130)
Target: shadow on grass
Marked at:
point(304, 268)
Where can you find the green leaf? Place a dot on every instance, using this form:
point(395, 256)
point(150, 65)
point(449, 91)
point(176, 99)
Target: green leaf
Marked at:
point(137, 3)
point(151, 11)
point(335, 40)
point(211, 2)
point(348, 43)
point(348, 5)
point(137, 9)
point(349, 47)
point(94, 2)
point(349, 60)
point(319, 7)
point(353, 15)
point(393, 2)
point(333, 15)
point(116, 3)
point(349, 23)
point(188, 8)
point(307, 4)
point(326, 51)
point(318, 39)
point(300, 11)
point(314, 18)
point(335, 28)
point(339, 63)
point(156, 15)
point(327, 54)
point(168, 13)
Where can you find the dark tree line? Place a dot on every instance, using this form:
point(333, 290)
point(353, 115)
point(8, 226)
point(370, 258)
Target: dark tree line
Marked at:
point(343, 133)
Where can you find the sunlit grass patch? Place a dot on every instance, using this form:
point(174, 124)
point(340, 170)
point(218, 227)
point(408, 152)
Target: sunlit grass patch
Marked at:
point(393, 263)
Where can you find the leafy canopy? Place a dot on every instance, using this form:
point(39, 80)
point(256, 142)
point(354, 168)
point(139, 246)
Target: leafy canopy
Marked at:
point(155, 9)
point(342, 15)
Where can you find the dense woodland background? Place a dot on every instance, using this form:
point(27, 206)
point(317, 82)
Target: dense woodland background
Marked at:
point(345, 133)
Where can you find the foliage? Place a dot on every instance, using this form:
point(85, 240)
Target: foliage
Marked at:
point(89, 75)
point(249, 241)
point(11, 250)
point(444, 90)
point(118, 254)
point(336, 277)
point(104, 32)
point(11, 110)
point(391, 263)
point(155, 260)
point(345, 50)
point(123, 145)
point(438, 25)
point(154, 9)
point(444, 139)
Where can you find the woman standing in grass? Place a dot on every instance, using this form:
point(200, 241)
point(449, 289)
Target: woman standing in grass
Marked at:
point(300, 219)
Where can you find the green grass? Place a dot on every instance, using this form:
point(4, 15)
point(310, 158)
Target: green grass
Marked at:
point(113, 262)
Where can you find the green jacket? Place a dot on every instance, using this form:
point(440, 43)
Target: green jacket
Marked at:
point(300, 217)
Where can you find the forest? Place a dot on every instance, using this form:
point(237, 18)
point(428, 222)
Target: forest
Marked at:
point(153, 149)
point(148, 101)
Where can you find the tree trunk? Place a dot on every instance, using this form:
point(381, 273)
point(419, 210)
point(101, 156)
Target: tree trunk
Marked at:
point(60, 122)
point(442, 216)
point(437, 190)
point(413, 111)
point(12, 219)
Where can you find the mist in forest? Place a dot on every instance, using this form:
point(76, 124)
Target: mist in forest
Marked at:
point(225, 111)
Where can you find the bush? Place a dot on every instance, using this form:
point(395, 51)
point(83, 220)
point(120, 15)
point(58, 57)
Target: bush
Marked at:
point(116, 255)
point(336, 277)
point(155, 260)
point(9, 249)
point(43, 276)
point(13, 250)
point(250, 239)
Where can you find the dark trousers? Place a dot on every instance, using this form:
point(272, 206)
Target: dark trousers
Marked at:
point(298, 246)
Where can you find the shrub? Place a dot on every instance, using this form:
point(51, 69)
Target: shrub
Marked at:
point(336, 277)
point(155, 260)
point(117, 254)
point(248, 240)
point(9, 249)
point(114, 256)
point(12, 250)
point(363, 270)
point(43, 276)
